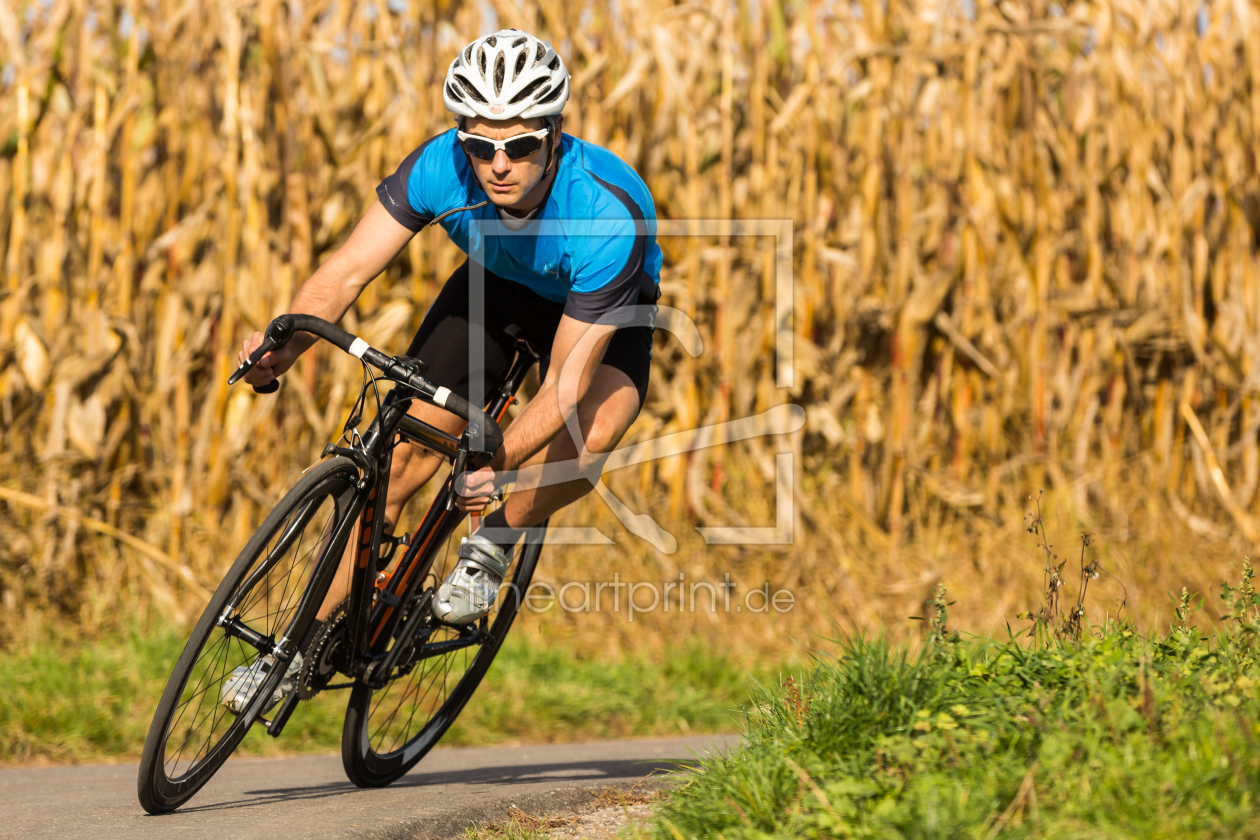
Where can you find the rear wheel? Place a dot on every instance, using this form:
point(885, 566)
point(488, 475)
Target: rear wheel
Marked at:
point(389, 729)
point(254, 609)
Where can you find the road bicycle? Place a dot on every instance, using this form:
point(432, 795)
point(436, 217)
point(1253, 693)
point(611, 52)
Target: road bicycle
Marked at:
point(408, 674)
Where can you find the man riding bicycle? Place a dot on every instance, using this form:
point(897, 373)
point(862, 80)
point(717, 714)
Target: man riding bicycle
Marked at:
point(550, 276)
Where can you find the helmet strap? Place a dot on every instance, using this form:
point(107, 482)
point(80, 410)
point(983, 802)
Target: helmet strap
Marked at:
point(551, 147)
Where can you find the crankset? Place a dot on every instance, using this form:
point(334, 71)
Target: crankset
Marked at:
point(327, 653)
point(417, 645)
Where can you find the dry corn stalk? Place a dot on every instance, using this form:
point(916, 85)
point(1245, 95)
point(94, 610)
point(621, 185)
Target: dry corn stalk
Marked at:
point(1026, 245)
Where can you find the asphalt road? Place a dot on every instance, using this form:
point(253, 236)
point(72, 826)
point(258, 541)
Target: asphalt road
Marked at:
point(309, 797)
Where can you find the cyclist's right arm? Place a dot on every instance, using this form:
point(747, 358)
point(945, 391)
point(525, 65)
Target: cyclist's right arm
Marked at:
point(333, 287)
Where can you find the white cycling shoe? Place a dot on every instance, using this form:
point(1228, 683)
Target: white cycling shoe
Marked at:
point(469, 591)
point(239, 689)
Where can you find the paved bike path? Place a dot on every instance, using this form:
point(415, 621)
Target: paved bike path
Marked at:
point(309, 797)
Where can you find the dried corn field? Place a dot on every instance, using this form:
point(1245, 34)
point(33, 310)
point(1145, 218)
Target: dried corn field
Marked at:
point(1025, 256)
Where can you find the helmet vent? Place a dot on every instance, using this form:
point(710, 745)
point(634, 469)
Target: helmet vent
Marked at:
point(528, 90)
point(504, 75)
point(500, 68)
point(471, 89)
point(554, 95)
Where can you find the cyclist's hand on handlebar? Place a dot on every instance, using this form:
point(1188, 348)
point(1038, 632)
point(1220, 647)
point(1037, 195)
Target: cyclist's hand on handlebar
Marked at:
point(473, 490)
point(270, 366)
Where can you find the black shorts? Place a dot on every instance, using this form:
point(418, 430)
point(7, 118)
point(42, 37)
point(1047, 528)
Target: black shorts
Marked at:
point(442, 340)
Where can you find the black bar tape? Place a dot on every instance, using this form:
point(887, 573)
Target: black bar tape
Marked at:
point(331, 333)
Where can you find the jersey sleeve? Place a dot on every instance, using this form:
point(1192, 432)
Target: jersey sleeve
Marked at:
point(425, 183)
point(394, 198)
point(611, 271)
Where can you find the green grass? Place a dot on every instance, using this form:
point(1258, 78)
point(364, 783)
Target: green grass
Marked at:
point(93, 701)
point(1115, 735)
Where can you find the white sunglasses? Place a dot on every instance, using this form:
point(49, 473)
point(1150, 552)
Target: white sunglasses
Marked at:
point(517, 147)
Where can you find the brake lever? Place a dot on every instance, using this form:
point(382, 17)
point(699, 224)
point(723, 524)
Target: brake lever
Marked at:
point(278, 332)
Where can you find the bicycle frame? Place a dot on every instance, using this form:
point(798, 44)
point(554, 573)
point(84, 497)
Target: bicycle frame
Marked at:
point(374, 621)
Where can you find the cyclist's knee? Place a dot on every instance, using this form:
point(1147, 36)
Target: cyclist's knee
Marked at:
point(605, 421)
point(601, 435)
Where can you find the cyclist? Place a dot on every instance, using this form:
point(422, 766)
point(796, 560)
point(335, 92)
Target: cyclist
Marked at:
point(561, 281)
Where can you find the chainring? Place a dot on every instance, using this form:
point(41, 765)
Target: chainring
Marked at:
point(320, 665)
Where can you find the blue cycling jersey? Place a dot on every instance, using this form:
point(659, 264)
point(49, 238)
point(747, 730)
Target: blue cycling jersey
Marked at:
point(592, 246)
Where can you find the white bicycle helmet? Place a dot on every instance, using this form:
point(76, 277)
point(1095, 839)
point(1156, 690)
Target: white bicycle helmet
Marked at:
point(506, 75)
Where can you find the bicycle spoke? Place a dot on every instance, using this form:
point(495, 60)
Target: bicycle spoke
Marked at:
point(299, 558)
point(417, 705)
point(196, 712)
point(426, 691)
point(198, 692)
point(288, 578)
point(265, 592)
point(412, 687)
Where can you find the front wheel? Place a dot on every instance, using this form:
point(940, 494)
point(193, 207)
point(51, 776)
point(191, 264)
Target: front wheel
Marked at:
point(253, 611)
point(389, 729)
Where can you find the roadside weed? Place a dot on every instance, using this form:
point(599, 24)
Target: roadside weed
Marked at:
point(1066, 731)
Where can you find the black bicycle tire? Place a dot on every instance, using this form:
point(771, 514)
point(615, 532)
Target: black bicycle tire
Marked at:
point(364, 767)
point(157, 792)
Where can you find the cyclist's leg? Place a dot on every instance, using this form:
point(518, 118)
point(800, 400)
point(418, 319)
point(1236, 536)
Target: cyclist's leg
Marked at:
point(613, 401)
point(611, 404)
point(617, 393)
point(604, 414)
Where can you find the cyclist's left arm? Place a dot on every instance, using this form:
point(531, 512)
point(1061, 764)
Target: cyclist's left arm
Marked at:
point(576, 352)
point(609, 274)
point(608, 278)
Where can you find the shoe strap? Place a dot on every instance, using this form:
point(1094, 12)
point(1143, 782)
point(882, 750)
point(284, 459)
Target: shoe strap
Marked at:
point(480, 552)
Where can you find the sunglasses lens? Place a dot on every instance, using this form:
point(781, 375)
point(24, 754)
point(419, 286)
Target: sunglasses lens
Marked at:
point(482, 149)
point(522, 147)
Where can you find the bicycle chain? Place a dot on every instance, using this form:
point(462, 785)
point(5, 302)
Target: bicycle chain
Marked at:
point(318, 667)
